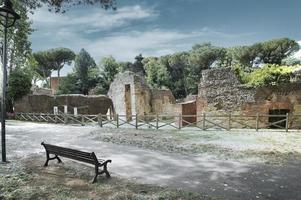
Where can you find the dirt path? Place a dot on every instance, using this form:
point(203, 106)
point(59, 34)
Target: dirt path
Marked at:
point(215, 177)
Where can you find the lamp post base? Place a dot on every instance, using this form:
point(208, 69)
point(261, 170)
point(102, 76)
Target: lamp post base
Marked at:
point(4, 163)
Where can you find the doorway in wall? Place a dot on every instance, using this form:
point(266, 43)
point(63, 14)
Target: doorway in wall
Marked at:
point(278, 121)
point(128, 102)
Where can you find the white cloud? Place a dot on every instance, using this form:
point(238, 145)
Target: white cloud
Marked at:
point(125, 46)
point(94, 19)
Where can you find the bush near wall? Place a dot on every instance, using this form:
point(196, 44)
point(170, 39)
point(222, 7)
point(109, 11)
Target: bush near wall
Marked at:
point(268, 75)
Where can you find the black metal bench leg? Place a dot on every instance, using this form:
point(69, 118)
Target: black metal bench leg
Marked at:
point(106, 171)
point(47, 159)
point(58, 159)
point(96, 174)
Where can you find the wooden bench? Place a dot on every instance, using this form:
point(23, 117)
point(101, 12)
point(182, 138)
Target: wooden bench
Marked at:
point(81, 156)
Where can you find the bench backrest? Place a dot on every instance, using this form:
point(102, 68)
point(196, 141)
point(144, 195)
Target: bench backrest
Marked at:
point(71, 153)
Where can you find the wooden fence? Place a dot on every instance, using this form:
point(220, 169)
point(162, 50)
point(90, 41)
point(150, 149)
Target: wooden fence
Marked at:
point(201, 122)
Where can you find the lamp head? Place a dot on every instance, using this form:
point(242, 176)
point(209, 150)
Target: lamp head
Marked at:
point(8, 16)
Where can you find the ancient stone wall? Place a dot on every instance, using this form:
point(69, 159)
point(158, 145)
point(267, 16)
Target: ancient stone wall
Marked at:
point(139, 99)
point(220, 92)
point(44, 104)
point(221, 89)
point(35, 104)
point(162, 101)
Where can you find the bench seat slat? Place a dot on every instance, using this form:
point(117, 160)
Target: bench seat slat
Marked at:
point(56, 148)
point(56, 151)
point(71, 154)
point(87, 160)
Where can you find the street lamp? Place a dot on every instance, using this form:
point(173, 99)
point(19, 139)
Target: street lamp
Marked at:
point(8, 18)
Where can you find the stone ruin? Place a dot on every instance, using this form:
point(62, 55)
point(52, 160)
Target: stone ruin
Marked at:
point(131, 95)
point(90, 105)
point(221, 92)
point(220, 89)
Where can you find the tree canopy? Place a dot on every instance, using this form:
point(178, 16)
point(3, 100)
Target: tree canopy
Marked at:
point(181, 71)
point(59, 57)
point(41, 65)
point(63, 5)
point(19, 84)
point(51, 60)
point(83, 66)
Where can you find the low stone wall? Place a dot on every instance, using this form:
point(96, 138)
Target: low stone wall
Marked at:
point(44, 104)
point(35, 104)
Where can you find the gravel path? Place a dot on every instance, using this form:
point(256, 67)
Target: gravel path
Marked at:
point(218, 178)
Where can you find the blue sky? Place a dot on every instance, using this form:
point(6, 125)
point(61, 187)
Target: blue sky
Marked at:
point(159, 27)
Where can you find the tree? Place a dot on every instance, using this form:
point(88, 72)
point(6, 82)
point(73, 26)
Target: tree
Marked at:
point(274, 51)
point(109, 67)
point(268, 52)
point(62, 5)
point(58, 58)
point(18, 39)
point(156, 73)
point(240, 55)
point(69, 85)
point(125, 66)
point(84, 63)
point(176, 65)
point(201, 57)
point(31, 66)
point(137, 67)
point(42, 65)
point(52, 60)
point(19, 83)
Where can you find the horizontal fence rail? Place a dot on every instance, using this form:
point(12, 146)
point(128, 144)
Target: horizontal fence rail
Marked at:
point(202, 122)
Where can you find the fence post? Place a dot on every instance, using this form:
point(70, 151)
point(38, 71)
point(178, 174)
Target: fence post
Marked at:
point(65, 109)
point(229, 122)
point(180, 121)
point(75, 113)
point(286, 122)
point(117, 120)
point(65, 118)
point(257, 121)
point(100, 119)
point(157, 121)
point(136, 121)
point(83, 120)
point(204, 121)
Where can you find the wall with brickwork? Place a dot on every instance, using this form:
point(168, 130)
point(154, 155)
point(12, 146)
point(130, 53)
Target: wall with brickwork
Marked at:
point(220, 92)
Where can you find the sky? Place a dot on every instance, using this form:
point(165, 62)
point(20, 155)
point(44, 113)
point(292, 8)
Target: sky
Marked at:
point(160, 27)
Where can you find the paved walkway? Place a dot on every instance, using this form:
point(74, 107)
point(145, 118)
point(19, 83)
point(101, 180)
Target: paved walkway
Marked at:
point(218, 178)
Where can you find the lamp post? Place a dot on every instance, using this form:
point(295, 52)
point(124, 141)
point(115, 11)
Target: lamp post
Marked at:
point(8, 18)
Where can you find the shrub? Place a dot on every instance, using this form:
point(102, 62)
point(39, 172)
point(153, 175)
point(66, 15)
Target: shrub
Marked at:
point(271, 75)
